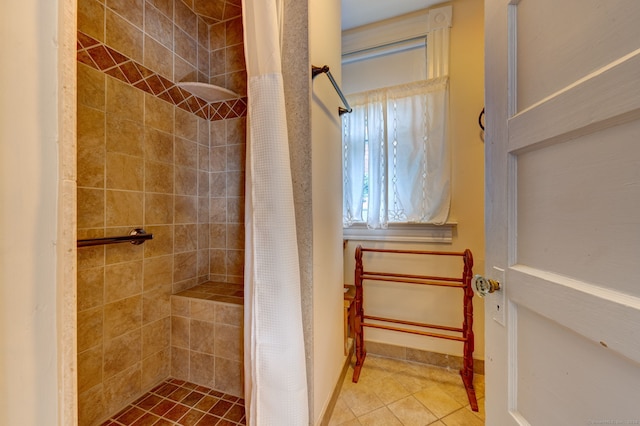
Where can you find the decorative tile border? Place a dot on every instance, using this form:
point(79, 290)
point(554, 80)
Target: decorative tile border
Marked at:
point(98, 55)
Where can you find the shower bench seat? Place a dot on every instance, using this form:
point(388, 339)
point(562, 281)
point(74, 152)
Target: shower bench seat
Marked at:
point(207, 336)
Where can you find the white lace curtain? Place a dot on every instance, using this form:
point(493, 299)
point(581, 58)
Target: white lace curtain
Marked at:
point(396, 156)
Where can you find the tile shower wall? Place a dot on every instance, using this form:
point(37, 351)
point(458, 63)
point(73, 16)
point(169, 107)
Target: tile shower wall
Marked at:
point(145, 161)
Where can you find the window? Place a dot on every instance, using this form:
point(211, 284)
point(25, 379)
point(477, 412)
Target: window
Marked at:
point(396, 163)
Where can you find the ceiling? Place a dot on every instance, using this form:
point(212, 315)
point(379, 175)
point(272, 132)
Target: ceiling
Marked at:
point(360, 12)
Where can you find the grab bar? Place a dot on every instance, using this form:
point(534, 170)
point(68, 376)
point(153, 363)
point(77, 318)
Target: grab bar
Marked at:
point(136, 237)
point(325, 69)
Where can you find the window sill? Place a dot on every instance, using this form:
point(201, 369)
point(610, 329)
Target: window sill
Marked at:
point(404, 232)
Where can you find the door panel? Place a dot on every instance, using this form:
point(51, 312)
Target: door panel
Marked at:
point(581, 47)
point(552, 376)
point(573, 200)
point(563, 203)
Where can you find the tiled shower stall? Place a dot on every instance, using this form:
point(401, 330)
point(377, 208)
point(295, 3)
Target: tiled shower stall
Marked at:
point(153, 156)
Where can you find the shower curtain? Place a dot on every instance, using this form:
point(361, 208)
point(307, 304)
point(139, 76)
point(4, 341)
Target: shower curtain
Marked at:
point(275, 372)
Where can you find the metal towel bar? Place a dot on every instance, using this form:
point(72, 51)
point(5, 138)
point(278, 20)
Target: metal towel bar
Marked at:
point(136, 237)
point(325, 69)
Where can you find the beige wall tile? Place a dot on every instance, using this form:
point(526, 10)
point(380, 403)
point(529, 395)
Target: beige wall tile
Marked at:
point(90, 257)
point(203, 155)
point(122, 280)
point(186, 46)
point(186, 238)
point(235, 209)
point(186, 209)
point(217, 35)
point(123, 36)
point(158, 177)
point(124, 208)
point(159, 115)
point(218, 184)
point(91, 158)
point(156, 368)
point(218, 235)
point(162, 242)
point(158, 26)
point(235, 157)
point(218, 210)
point(237, 82)
point(186, 19)
point(131, 10)
point(156, 336)
point(89, 368)
point(202, 336)
point(184, 266)
point(186, 125)
point(235, 236)
point(91, 18)
point(236, 131)
point(203, 184)
point(204, 310)
point(229, 314)
point(186, 153)
point(235, 262)
point(122, 317)
point(180, 363)
point(202, 369)
point(234, 31)
point(124, 136)
point(203, 210)
point(203, 134)
point(124, 100)
point(183, 70)
point(218, 131)
point(218, 262)
point(158, 145)
point(156, 304)
point(158, 271)
point(217, 62)
point(164, 6)
point(124, 172)
point(228, 342)
point(203, 236)
point(91, 208)
point(90, 288)
point(235, 184)
point(234, 58)
point(186, 181)
point(91, 87)
point(209, 9)
point(180, 332)
point(122, 352)
point(228, 376)
point(158, 58)
point(180, 306)
point(158, 209)
point(218, 159)
point(179, 286)
point(91, 406)
point(122, 388)
point(90, 328)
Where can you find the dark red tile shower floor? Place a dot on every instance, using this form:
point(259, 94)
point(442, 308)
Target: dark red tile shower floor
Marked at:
point(176, 402)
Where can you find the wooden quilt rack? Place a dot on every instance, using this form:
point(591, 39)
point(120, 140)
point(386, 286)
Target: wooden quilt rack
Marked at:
point(463, 334)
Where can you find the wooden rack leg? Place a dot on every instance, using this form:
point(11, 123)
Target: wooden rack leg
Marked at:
point(361, 353)
point(467, 326)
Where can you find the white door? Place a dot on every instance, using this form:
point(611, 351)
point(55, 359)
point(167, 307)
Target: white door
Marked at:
point(563, 212)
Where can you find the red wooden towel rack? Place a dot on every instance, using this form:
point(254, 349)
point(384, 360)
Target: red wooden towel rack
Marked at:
point(463, 334)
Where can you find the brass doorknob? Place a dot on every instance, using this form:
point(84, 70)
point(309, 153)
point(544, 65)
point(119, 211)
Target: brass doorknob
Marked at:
point(483, 286)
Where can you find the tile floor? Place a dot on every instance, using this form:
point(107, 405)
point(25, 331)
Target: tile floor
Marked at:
point(395, 393)
point(176, 402)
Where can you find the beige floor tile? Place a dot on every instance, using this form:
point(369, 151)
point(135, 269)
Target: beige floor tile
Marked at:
point(462, 417)
point(379, 417)
point(411, 412)
point(353, 422)
point(437, 401)
point(389, 390)
point(480, 413)
point(341, 413)
point(438, 423)
point(360, 399)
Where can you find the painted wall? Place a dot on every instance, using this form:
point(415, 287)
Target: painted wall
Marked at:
point(432, 304)
point(324, 49)
point(29, 132)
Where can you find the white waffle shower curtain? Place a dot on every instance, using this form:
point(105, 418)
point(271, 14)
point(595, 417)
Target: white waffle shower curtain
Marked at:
point(275, 372)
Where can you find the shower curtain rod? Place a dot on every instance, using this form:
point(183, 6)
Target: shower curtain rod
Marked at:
point(136, 237)
point(325, 69)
